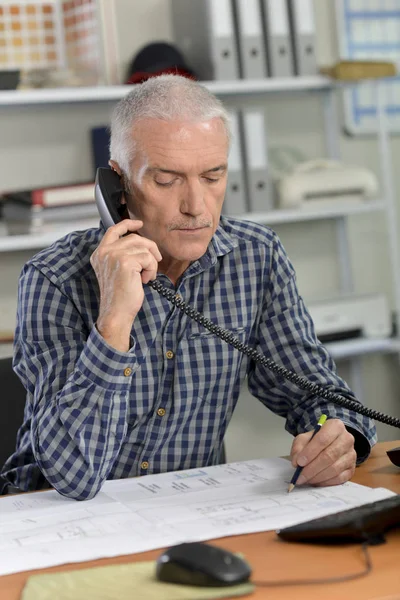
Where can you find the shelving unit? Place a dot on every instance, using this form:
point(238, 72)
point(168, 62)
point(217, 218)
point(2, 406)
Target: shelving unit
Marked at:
point(278, 217)
point(223, 89)
point(338, 212)
point(9, 243)
point(15, 243)
point(362, 346)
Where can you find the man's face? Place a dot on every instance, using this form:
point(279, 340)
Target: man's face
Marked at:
point(177, 184)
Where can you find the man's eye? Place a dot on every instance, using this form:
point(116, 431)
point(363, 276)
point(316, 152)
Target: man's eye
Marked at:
point(211, 179)
point(165, 183)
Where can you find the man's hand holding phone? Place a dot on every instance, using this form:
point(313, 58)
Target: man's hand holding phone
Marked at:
point(122, 263)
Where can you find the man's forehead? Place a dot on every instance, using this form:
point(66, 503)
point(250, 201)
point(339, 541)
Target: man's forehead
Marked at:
point(179, 147)
point(147, 132)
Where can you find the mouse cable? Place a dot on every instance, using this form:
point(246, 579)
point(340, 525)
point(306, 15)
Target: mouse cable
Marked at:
point(340, 579)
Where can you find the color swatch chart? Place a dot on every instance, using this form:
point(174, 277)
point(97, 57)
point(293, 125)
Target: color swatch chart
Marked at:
point(369, 30)
point(28, 35)
point(49, 34)
point(81, 34)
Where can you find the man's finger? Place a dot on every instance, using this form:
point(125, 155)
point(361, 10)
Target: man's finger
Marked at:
point(116, 237)
point(328, 457)
point(343, 463)
point(332, 429)
point(149, 268)
point(129, 242)
point(338, 480)
point(299, 442)
point(119, 229)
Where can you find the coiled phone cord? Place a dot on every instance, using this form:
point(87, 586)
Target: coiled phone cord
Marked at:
point(300, 382)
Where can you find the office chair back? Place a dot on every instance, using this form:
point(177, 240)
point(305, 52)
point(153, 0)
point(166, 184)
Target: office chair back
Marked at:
point(12, 403)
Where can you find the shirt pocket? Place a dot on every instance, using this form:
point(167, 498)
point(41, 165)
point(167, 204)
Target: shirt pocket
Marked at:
point(212, 368)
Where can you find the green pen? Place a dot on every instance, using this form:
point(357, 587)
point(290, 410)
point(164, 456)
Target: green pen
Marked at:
point(299, 469)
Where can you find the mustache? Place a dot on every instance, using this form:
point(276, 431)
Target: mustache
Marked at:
point(190, 225)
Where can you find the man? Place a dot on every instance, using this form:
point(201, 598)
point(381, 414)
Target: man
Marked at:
point(119, 382)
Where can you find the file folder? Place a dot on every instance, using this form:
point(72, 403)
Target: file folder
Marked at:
point(204, 32)
point(256, 158)
point(302, 26)
point(252, 54)
point(276, 28)
point(235, 202)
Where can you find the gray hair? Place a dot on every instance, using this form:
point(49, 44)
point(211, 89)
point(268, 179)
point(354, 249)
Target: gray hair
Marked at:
point(166, 97)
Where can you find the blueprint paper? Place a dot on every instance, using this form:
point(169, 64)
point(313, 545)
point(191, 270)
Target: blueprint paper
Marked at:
point(135, 515)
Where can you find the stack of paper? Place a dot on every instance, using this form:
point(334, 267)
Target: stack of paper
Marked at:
point(154, 511)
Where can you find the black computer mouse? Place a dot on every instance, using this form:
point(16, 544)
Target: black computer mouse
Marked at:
point(201, 564)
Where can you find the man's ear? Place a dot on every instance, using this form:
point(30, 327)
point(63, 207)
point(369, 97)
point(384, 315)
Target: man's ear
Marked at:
point(115, 167)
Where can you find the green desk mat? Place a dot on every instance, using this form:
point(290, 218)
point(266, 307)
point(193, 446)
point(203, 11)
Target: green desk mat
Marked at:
point(134, 581)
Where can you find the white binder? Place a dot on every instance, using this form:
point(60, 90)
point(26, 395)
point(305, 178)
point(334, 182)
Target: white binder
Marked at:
point(302, 24)
point(252, 53)
point(204, 31)
point(256, 155)
point(235, 202)
point(278, 43)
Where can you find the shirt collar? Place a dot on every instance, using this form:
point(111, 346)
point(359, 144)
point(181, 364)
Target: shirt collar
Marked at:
point(222, 242)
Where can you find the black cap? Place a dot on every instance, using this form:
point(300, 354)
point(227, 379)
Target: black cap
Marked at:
point(158, 58)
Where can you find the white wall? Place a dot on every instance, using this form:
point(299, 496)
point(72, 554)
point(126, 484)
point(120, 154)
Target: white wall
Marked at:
point(50, 145)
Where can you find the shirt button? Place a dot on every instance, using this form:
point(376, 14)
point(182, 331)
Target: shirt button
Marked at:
point(127, 371)
point(161, 412)
point(169, 354)
point(144, 465)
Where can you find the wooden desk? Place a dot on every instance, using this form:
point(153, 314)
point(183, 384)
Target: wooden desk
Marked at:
point(272, 558)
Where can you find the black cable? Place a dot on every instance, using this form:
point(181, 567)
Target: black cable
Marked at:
point(340, 579)
point(301, 382)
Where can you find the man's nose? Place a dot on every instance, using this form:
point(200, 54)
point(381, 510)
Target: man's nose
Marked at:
point(193, 200)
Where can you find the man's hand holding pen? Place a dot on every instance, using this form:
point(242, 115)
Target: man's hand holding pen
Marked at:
point(327, 458)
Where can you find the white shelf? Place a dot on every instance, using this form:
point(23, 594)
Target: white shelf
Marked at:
point(12, 243)
point(112, 93)
point(274, 84)
point(362, 346)
point(9, 243)
point(331, 211)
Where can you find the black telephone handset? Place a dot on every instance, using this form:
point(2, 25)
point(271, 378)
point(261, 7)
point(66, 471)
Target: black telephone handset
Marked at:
point(108, 192)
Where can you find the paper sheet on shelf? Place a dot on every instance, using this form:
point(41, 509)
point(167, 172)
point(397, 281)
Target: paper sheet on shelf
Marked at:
point(154, 511)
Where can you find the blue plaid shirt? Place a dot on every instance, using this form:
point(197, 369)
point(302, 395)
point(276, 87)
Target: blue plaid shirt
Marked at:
point(94, 413)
